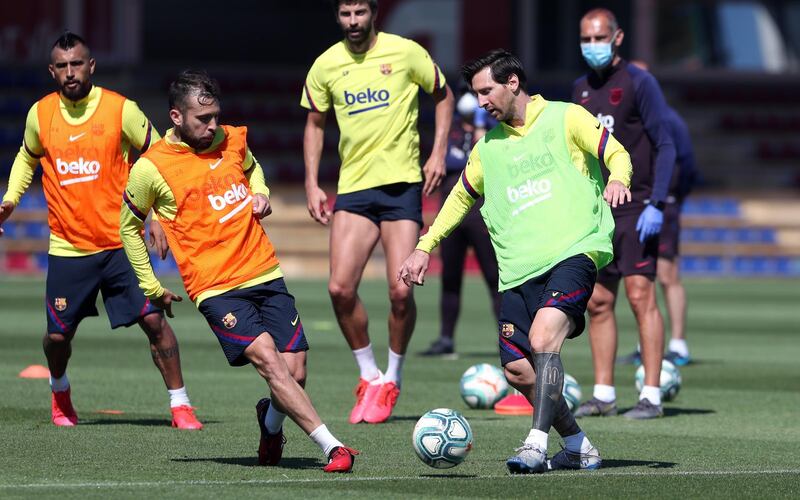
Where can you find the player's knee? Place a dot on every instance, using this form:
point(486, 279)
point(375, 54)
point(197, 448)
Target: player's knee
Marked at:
point(154, 325)
point(544, 341)
point(400, 297)
point(641, 298)
point(57, 338)
point(518, 375)
point(341, 293)
point(600, 305)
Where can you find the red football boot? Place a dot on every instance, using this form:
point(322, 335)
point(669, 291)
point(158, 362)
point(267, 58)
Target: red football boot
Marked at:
point(341, 459)
point(63, 414)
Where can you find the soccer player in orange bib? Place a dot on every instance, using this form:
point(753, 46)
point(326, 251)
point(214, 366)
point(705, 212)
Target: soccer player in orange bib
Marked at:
point(209, 193)
point(82, 135)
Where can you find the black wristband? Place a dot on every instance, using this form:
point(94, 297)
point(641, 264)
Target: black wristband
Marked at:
point(658, 204)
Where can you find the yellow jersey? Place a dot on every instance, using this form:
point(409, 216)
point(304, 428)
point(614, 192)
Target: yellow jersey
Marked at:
point(375, 98)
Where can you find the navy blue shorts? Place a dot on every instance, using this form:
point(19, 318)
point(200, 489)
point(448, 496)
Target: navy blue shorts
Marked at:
point(567, 287)
point(669, 239)
point(238, 317)
point(73, 283)
point(631, 257)
point(401, 201)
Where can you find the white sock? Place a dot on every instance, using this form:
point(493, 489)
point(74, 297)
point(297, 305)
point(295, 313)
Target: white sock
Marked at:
point(680, 346)
point(394, 368)
point(577, 443)
point(60, 384)
point(652, 393)
point(538, 438)
point(605, 393)
point(366, 363)
point(274, 419)
point(178, 397)
point(324, 439)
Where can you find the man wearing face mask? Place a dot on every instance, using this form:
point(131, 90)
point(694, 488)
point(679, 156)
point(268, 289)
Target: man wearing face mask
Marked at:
point(469, 125)
point(628, 102)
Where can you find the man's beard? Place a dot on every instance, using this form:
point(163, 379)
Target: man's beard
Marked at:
point(76, 93)
point(196, 143)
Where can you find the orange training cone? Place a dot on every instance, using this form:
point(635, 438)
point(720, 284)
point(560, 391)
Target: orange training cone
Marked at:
point(513, 404)
point(35, 371)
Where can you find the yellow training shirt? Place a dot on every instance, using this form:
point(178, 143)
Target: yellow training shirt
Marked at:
point(374, 96)
point(147, 189)
point(584, 136)
point(137, 131)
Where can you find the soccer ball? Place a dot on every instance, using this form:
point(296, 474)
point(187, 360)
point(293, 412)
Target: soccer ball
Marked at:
point(670, 380)
point(442, 438)
point(572, 391)
point(483, 385)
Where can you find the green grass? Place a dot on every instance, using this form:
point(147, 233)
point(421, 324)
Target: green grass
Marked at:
point(732, 432)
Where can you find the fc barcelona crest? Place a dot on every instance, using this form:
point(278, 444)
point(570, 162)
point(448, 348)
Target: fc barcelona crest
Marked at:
point(615, 96)
point(507, 330)
point(98, 129)
point(60, 304)
point(229, 321)
point(386, 69)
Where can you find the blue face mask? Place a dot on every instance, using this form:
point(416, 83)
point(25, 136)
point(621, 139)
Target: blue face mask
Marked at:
point(597, 55)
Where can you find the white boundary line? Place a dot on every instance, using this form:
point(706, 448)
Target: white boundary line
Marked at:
point(329, 479)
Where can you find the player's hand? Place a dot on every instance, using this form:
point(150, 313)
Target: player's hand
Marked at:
point(5, 211)
point(261, 206)
point(412, 272)
point(158, 240)
point(165, 302)
point(649, 223)
point(434, 171)
point(318, 205)
point(616, 194)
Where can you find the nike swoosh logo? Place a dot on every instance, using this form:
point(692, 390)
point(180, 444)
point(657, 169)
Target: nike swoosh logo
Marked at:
point(555, 293)
point(598, 126)
point(584, 100)
point(642, 264)
point(295, 320)
point(73, 138)
point(215, 164)
point(145, 123)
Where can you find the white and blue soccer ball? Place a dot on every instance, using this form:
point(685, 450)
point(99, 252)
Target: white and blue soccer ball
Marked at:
point(442, 438)
point(483, 385)
point(670, 380)
point(572, 391)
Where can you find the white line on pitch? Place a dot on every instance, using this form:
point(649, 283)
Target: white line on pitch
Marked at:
point(328, 479)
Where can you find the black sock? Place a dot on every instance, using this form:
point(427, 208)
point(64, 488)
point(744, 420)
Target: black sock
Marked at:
point(564, 421)
point(549, 383)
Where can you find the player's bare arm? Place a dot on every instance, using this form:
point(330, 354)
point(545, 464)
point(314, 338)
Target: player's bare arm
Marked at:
point(413, 270)
point(434, 168)
point(5, 211)
point(313, 139)
point(616, 193)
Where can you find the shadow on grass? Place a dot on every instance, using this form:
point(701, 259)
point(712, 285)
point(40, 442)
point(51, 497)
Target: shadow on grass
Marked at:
point(144, 422)
point(252, 461)
point(448, 476)
point(611, 463)
point(671, 412)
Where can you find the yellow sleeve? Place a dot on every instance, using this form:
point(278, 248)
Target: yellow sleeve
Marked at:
point(457, 205)
point(316, 96)
point(27, 159)
point(139, 131)
point(585, 135)
point(255, 174)
point(140, 195)
point(424, 72)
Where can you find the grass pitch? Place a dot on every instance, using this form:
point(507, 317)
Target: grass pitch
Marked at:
point(732, 431)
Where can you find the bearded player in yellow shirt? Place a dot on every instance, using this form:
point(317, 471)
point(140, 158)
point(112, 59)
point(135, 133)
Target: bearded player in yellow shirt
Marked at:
point(372, 80)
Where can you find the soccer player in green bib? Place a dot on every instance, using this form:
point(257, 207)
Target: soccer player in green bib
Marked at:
point(547, 210)
point(371, 81)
